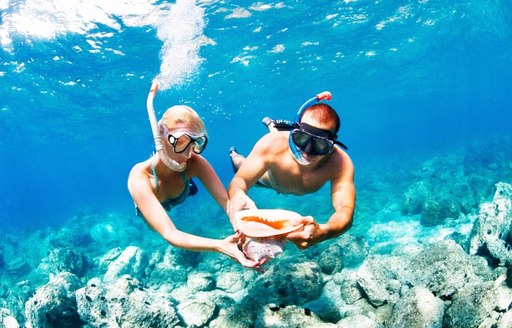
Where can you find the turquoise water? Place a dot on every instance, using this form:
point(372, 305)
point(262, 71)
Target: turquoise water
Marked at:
point(413, 82)
point(408, 79)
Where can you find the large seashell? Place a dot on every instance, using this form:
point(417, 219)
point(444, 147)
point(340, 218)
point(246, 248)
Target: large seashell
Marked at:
point(267, 222)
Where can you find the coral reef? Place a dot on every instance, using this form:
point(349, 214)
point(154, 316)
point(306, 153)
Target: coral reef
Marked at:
point(430, 247)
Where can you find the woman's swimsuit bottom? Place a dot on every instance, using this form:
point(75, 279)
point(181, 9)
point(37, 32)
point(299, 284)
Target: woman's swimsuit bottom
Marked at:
point(190, 190)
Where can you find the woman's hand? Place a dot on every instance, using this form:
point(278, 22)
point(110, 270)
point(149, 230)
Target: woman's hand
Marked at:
point(229, 246)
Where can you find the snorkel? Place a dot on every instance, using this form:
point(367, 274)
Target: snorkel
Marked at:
point(297, 153)
point(160, 149)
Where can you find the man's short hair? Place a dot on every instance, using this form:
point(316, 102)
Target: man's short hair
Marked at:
point(324, 113)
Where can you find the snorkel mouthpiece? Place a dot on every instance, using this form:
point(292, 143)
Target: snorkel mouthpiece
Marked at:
point(169, 162)
point(297, 153)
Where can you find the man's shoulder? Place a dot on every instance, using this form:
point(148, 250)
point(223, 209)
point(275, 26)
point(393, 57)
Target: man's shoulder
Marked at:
point(273, 138)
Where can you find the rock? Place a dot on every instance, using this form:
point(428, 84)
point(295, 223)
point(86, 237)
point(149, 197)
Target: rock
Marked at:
point(169, 265)
point(132, 261)
point(354, 250)
point(124, 302)
point(350, 291)
point(357, 320)
point(104, 233)
point(443, 268)
point(7, 320)
point(10, 322)
point(379, 281)
point(330, 260)
point(196, 313)
point(472, 306)
point(437, 209)
point(230, 282)
point(200, 281)
point(18, 267)
point(297, 283)
point(63, 259)
point(54, 304)
point(414, 197)
point(418, 308)
point(492, 232)
point(289, 316)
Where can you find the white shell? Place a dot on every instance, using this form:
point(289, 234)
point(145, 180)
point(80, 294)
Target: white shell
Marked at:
point(267, 222)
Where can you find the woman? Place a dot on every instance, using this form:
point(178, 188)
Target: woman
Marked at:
point(163, 181)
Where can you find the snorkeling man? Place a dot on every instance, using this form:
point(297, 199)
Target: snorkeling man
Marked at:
point(299, 159)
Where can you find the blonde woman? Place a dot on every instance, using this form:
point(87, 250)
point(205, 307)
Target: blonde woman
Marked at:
point(164, 180)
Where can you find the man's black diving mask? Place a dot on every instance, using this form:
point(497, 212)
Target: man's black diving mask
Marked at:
point(313, 141)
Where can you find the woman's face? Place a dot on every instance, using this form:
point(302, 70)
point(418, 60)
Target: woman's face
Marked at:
point(183, 140)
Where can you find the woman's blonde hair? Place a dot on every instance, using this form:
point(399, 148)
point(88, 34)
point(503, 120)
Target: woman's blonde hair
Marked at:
point(182, 115)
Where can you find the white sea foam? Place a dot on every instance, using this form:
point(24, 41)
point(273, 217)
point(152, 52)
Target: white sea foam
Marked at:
point(179, 26)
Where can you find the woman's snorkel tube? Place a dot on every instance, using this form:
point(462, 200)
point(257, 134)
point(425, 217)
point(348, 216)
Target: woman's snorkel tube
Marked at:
point(155, 129)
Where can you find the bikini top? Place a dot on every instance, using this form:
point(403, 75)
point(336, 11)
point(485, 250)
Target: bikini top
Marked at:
point(171, 202)
point(190, 190)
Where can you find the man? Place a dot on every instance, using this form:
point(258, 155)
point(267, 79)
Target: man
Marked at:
point(300, 161)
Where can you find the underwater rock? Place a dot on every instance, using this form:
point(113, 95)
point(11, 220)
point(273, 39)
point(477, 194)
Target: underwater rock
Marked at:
point(63, 259)
point(357, 320)
point(104, 233)
point(54, 304)
point(379, 280)
point(18, 267)
point(10, 322)
point(354, 250)
point(7, 320)
point(492, 232)
point(294, 283)
point(437, 209)
point(443, 268)
point(350, 291)
point(124, 303)
point(230, 282)
point(325, 307)
point(200, 281)
point(473, 305)
point(414, 197)
point(289, 316)
point(330, 260)
point(196, 313)
point(418, 307)
point(132, 261)
point(171, 265)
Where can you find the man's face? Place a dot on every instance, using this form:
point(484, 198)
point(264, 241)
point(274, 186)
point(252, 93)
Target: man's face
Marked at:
point(313, 140)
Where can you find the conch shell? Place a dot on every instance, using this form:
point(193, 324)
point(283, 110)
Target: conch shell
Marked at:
point(265, 231)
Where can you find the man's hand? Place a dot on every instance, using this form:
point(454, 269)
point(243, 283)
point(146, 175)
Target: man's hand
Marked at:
point(311, 234)
point(239, 202)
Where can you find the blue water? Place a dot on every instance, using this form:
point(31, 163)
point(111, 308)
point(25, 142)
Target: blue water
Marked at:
point(410, 79)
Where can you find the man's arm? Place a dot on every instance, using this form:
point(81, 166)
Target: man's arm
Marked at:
point(253, 167)
point(343, 196)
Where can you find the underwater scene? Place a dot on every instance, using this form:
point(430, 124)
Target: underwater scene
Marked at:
point(422, 89)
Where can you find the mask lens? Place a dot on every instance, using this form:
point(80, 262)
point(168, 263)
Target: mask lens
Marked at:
point(200, 144)
point(311, 144)
point(322, 146)
point(182, 143)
